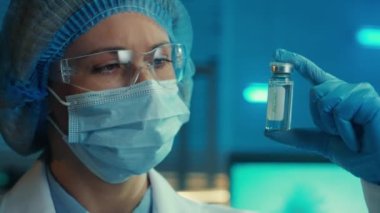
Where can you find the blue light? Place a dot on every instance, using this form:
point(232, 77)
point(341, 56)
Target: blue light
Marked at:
point(256, 93)
point(369, 37)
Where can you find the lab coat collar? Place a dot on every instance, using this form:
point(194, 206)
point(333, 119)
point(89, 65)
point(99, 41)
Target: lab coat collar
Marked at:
point(165, 199)
point(30, 193)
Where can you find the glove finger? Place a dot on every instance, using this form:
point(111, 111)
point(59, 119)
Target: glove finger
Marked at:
point(327, 119)
point(313, 105)
point(369, 111)
point(331, 119)
point(336, 92)
point(329, 146)
point(347, 133)
point(306, 139)
point(322, 118)
point(321, 105)
point(355, 108)
point(304, 66)
point(361, 106)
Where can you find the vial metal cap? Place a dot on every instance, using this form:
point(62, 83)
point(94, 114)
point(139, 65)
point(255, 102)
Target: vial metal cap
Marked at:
point(280, 67)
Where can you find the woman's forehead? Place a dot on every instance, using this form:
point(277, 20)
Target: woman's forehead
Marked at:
point(123, 31)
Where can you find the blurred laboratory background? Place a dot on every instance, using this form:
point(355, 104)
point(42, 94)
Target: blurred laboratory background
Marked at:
point(233, 46)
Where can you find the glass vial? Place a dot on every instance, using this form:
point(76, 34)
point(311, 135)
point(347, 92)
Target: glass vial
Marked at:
point(280, 97)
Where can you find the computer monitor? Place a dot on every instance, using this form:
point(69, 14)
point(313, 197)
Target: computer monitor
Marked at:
point(289, 184)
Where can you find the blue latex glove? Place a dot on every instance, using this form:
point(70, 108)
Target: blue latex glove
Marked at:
point(348, 117)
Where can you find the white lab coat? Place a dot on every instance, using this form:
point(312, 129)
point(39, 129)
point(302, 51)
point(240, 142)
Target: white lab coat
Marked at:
point(32, 194)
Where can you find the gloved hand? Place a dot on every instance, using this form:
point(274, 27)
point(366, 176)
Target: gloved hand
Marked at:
point(348, 117)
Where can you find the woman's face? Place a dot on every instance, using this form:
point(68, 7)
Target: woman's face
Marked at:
point(130, 31)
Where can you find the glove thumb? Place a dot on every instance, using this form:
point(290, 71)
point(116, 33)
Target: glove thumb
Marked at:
point(308, 139)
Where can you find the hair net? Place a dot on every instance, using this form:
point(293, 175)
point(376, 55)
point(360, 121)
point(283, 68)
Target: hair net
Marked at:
point(36, 32)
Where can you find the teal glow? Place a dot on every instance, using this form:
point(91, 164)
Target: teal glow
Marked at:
point(369, 37)
point(4, 179)
point(292, 187)
point(256, 93)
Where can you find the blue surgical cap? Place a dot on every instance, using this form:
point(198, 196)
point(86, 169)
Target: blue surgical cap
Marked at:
point(36, 32)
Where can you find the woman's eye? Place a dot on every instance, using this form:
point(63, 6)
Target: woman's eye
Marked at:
point(105, 69)
point(160, 62)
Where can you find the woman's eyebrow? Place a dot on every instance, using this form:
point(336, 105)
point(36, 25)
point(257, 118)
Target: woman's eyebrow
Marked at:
point(159, 44)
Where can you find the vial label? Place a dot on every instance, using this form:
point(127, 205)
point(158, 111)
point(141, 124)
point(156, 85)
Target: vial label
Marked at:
point(276, 104)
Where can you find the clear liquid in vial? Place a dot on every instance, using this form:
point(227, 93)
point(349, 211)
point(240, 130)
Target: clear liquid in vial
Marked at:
point(279, 106)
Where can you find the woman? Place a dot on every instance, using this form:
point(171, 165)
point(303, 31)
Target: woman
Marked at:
point(102, 87)
point(118, 80)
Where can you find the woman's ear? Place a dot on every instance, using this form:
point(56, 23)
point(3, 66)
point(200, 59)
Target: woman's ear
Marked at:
point(52, 77)
point(54, 72)
point(56, 90)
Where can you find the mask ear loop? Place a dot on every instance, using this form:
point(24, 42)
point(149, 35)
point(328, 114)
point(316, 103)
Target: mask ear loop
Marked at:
point(64, 137)
point(51, 121)
point(81, 88)
point(58, 98)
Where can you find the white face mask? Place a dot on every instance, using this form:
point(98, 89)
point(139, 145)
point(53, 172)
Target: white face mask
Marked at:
point(123, 132)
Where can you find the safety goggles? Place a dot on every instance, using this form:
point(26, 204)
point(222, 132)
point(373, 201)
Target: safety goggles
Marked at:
point(121, 68)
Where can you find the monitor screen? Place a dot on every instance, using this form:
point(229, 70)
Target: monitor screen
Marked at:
point(294, 184)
